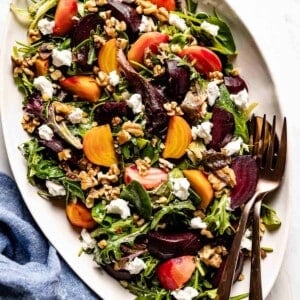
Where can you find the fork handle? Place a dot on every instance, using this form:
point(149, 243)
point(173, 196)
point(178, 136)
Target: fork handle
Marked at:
point(226, 281)
point(255, 277)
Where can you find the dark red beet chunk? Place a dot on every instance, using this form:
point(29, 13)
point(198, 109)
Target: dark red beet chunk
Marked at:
point(235, 84)
point(84, 27)
point(126, 13)
point(223, 128)
point(246, 172)
point(166, 245)
point(178, 82)
point(104, 113)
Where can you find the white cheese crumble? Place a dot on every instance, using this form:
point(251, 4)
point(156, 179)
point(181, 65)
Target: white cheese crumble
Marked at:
point(135, 103)
point(45, 26)
point(203, 131)
point(55, 189)
point(233, 146)
point(61, 57)
point(177, 22)
point(45, 132)
point(213, 92)
point(246, 240)
point(180, 188)
point(44, 85)
point(120, 207)
point(114, 78)
point(210, 28)
point(188, 293)
point(75, 116)
point(87, 241)
point(240, 99)
point(147, 24)
point(197, 223)
point(135, 266)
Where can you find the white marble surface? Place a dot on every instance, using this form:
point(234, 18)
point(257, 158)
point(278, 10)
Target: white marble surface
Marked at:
point(276, 27)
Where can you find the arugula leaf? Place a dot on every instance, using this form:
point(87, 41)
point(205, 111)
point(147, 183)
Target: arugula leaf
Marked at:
point(240, 121)
point(135, 194)
point(269, 217)
point(176, 207)
point(223, 42)
point(37, 165)
point(218, 218)
point(120, 232)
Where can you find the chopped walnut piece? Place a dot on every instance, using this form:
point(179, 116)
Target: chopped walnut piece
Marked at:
point(64, 155)
point(87, 180)
point(123, 137)
point(227, 175)
point(212, 256)
point(173, 109)
point(30, 123)
point(143, 165)
point(165, 164)
point(133, 128)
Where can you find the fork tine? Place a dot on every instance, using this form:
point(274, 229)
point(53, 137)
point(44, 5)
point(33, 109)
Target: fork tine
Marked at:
point(280, 163)
point(260, 137)
point(271, 145)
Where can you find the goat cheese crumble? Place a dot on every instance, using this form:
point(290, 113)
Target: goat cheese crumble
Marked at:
point(135, 266)
point(210, 28)
point(55, 189)
point(197, 223)
point(114, 78)
point(45, 26)
point(180, 188)
point(240, 99)
point(177, 22)
point(188, 293)
point(61, 57)
point(233, 146)
point(44, 85)
point(87, 241)
point(45, 132)
point(203, 131)
point(135, 103)
point(75, 117)
point(213, 92)
point(120, 207)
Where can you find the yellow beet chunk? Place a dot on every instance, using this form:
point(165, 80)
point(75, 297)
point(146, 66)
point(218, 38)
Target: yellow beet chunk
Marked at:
point(107, 57)
point(179, 136)
point(200, 185)
point(98, 146)
point(85, 87)
point(41, 66)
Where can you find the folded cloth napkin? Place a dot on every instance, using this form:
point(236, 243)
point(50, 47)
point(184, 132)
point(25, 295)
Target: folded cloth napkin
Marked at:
point(30, 268)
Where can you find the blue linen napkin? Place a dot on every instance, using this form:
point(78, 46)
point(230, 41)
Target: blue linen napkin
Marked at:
point(30, 267)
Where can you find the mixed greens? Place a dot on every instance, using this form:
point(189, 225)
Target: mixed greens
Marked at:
point(138, 120)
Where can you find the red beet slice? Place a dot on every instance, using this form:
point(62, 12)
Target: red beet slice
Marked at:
point(223, 128)
point(166, 244)
point(246, 172)
point(235, 84)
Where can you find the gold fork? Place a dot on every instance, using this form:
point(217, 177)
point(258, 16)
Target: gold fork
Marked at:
point(270, 177)
point(272, 164)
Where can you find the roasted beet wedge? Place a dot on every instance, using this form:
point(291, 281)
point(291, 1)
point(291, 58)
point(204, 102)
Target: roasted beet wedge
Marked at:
point(124, 12)
point(235, 84)
point(223, 128)
point(165, 245)
point(178, 81)
point(246, 171)
point(104, 113)
point(84, 27)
